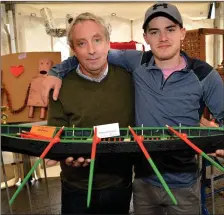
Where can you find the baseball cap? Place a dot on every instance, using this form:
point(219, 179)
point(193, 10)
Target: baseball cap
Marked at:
point(168, 10)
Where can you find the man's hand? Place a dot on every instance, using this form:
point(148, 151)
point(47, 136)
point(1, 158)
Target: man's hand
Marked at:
point(206, 123)
point(219, 153)
point(50, 82)
point(80, 162)
point(50, 163)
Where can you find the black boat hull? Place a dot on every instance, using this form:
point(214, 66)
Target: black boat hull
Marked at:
point(63, 150)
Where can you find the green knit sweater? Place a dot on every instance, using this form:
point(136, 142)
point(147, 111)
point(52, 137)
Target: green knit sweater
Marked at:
point(85, 104)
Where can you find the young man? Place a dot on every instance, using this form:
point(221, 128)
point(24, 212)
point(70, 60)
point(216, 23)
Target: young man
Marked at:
point(170, 88)
point(90, 95)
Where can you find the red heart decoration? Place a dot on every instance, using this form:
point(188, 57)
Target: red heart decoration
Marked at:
point(17, 70)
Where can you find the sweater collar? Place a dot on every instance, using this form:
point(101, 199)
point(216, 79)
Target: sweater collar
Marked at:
point(78, 71)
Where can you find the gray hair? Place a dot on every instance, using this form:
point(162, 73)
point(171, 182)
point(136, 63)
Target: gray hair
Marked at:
point(85, 17)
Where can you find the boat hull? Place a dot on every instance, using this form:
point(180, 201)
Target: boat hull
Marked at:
point(65, 149)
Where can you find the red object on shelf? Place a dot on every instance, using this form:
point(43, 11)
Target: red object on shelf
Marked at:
point(125, 45)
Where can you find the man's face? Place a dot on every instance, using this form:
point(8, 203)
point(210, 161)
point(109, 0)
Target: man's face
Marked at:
point(164, 38)
point(90, 47)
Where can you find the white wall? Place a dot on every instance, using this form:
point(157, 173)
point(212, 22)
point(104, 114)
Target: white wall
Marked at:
point(120, 28)
point(32, 36)
point(5, 47)
point(218, 40)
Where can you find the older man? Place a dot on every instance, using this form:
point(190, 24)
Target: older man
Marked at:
point(95, 93)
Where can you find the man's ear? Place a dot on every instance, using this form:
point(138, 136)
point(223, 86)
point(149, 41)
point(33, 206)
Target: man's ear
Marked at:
point(183, 34)
point(109, 44)
point(145, 38)
point(73, 51)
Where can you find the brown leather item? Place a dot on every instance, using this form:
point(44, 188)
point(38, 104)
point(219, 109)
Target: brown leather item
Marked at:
point(34, 99)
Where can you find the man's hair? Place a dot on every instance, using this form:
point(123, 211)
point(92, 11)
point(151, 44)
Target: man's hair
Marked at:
point(86, 17)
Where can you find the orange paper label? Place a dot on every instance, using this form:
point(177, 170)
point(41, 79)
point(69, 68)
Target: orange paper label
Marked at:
point(46, 131)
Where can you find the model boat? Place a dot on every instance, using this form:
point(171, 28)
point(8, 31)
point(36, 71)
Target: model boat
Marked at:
point(78, 141)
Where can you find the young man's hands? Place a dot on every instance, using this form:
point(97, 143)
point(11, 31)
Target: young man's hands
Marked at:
point(70, 161)
point(50, 82)
point(80, 162)
point(206, 123)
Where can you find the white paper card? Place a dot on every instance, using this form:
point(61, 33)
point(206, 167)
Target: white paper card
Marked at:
point(108, 130)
